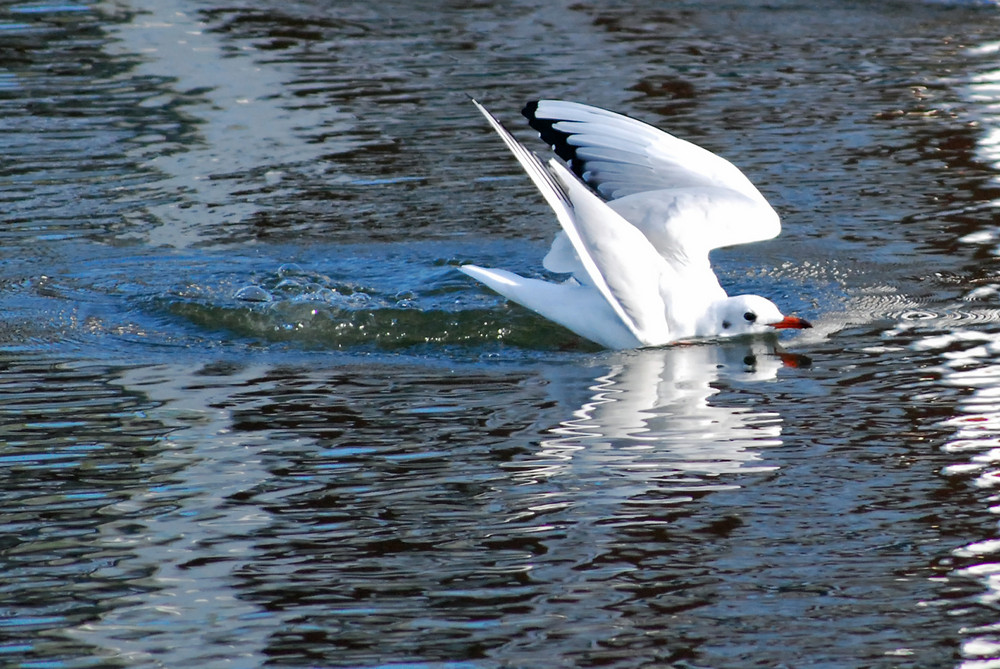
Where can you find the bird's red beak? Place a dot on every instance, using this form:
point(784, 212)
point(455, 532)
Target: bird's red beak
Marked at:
point(791, 322)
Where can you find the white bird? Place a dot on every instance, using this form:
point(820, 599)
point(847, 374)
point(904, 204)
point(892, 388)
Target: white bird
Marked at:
point(640, 211)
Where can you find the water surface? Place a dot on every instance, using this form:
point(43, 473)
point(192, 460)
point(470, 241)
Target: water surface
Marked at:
point(252, 416)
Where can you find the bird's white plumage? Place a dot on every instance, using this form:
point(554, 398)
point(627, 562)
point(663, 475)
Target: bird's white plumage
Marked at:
point(639, 256)
point(575, 306)
point(644, 158)
point(610, 226)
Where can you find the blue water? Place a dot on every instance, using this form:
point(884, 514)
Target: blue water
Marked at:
point(251, 415)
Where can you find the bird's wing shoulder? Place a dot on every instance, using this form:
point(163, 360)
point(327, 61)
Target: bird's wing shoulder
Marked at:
point(684, 224)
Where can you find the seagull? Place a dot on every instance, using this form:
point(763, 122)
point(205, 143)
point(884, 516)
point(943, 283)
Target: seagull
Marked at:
point(640, 210)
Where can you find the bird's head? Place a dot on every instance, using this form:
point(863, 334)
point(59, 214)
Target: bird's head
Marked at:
point(752, 314)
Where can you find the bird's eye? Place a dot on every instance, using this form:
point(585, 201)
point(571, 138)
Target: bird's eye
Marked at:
point(750, 316)
point(726, 324)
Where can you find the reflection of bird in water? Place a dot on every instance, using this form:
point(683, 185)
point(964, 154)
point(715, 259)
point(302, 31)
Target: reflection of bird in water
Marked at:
point(639, 257)
point(652, 411)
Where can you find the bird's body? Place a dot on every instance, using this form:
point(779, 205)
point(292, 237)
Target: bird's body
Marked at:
point(639, 210)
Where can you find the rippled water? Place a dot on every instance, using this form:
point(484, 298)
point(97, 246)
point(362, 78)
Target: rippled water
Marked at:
point(251, 415)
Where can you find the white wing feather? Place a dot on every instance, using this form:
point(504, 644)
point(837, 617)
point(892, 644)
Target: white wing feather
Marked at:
point(628, 264)
point(616, 257)
point(684, 198)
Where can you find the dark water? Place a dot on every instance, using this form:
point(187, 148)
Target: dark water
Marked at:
point(252, 416)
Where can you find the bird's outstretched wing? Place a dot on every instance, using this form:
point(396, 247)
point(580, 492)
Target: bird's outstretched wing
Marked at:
point(686, 200)
point(617, 259)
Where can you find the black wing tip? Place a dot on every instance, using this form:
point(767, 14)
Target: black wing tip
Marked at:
point(557, 139)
